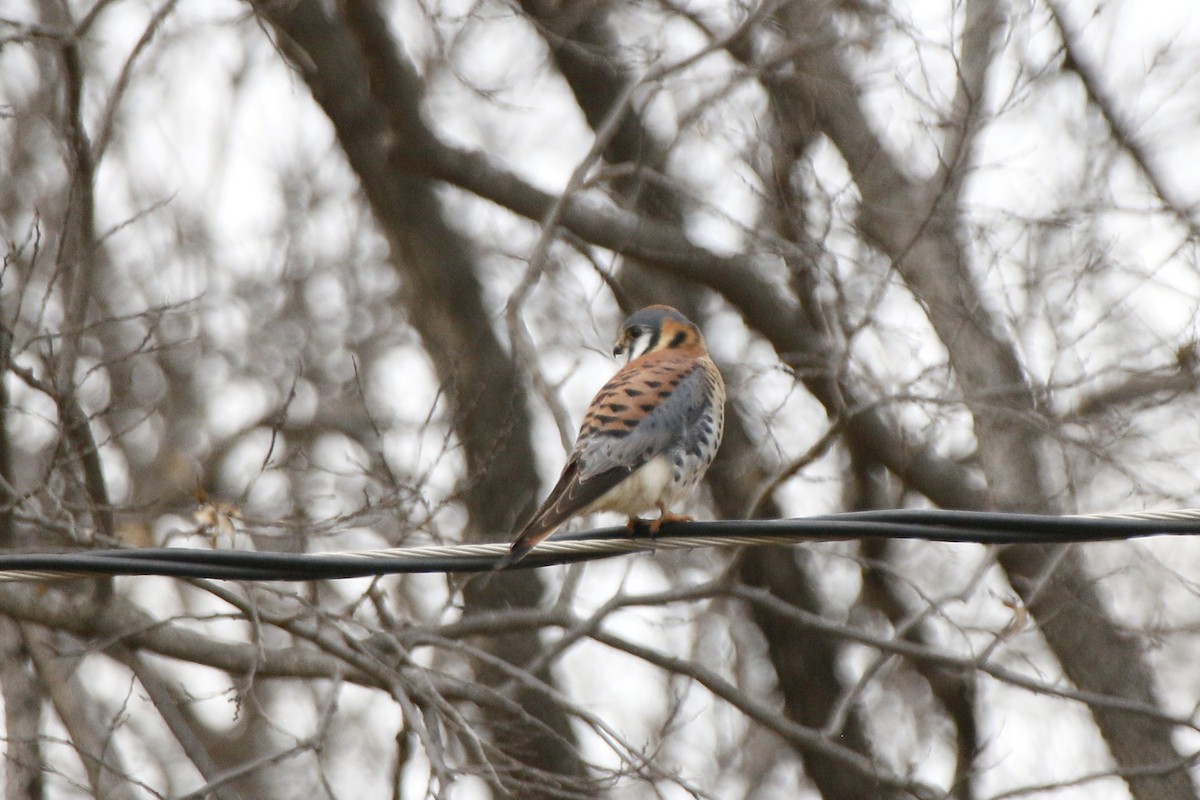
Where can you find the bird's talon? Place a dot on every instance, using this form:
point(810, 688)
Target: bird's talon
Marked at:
point(656, 525)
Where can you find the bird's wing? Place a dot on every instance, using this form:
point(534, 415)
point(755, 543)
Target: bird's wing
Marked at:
point(648, 413)
point(638, 414)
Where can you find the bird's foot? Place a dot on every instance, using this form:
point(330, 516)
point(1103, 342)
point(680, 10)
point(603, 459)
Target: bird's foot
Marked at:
point(665, 517)
point(640, 527)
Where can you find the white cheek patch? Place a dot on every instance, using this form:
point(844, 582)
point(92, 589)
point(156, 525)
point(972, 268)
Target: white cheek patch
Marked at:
point(640, 345)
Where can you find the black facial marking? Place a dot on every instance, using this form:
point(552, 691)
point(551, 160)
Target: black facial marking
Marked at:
point(678, 339)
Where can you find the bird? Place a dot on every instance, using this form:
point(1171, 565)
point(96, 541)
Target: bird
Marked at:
point(648, 436)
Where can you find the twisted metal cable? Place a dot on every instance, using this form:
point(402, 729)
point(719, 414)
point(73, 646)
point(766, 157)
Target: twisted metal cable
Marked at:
point(921, 524)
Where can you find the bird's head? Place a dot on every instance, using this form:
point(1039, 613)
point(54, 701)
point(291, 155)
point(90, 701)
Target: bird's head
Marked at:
point(656, 328)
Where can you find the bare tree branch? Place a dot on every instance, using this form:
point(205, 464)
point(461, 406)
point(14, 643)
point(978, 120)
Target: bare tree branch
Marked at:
point(1122, 130)
point(168, 705)
point(983, 24)
point(926, 249)
point(23, 765)
point(310, 350)
point(90, 733)
point(123, 621)
point(377, 124)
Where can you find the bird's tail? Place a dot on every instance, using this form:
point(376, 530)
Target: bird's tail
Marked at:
point(511, 557)
point(556, 510)
point(534, 532)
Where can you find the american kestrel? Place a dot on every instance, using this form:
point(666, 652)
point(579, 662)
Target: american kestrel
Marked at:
point(648, 436)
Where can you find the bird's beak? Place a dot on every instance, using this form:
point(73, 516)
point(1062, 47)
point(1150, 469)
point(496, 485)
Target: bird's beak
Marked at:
point(621, 346)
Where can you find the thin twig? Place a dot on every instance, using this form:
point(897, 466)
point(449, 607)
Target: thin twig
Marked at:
point(1090, 75)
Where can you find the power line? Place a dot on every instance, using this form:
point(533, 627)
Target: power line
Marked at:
point(918, 524)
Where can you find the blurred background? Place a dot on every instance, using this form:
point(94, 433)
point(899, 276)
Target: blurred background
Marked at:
point(306, 276)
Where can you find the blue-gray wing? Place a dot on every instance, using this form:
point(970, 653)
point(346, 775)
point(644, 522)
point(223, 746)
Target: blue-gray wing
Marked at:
point(644, 414)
